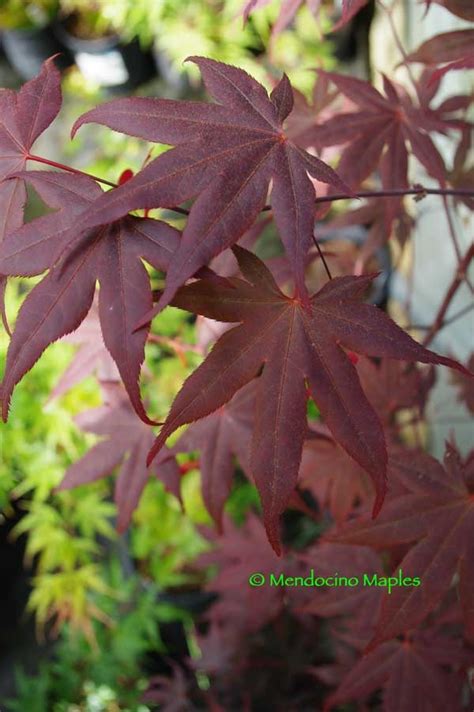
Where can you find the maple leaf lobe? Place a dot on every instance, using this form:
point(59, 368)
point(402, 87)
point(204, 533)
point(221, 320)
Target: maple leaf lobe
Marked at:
point(295, 345)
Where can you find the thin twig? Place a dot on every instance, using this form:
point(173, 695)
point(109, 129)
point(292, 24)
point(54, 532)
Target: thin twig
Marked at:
point(392, 193)
point(423, 327)
point(453, 236)
point(459, 278)
point(396, 37)
point(328, 272)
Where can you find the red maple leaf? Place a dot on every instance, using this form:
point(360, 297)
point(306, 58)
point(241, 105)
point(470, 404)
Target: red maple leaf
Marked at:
point(336, 480)
point(450, 113)
point(357, 605)
point(436, 514)
point(125, 435)
point(171, 693)
point(220, 436)
point(392, 386)
point(297, 343)
point(453, 48)
point(301, 123)
point(379, 134)
point(24, 115)
point(225, 264)
point(239, 553)
point(76, 258)
point(289, 8)
point(228, 154)
point(92, 356)
point(412, 674)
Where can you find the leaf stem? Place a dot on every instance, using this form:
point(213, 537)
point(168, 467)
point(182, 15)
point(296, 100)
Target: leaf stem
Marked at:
point(70, 169)
point(398, 42)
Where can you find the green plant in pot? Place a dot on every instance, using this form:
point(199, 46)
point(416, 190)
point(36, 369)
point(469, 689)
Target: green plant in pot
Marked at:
point(28, 39)
point(29, 15)
point(101, 54)
point(85, 19)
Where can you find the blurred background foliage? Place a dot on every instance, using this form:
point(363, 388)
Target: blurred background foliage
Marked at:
point(176, 29)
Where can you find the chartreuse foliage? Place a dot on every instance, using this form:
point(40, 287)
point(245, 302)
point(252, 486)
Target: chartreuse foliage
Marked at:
point(62, 529)
point(108, 673)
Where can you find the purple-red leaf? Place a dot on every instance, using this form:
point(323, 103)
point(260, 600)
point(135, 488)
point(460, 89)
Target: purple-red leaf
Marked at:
point(447, 47)
point(410, 673)
point(220, 436)
point(125, 435)
point(227, 154)
point(297, 343)
point(383, 122)
point(24, 115)
point(110, 254)
point(336, 480)
point(436, 513)
point(92, 356)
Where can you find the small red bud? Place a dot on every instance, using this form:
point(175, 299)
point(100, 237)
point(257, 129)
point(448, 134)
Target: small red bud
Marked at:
point(125, 176)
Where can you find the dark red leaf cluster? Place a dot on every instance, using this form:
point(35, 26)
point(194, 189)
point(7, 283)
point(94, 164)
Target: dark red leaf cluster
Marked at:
point(310, 389)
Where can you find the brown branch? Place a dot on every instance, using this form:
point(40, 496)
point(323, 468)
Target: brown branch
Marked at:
point(459, 278)
point(423, 327)
point(322, 257)
point(393, 193)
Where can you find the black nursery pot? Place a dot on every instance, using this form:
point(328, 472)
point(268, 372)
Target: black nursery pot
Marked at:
point(27, 49)
point(107, 62)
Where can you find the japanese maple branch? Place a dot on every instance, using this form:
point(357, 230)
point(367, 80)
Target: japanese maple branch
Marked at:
point(454, 238)
point(452, 289)
point(446, 322)
point(406, 63)
point(323, 259)
point(396, 38)
point(395, 192)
